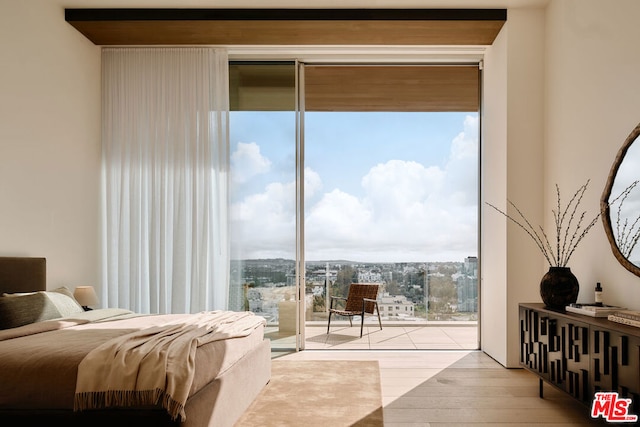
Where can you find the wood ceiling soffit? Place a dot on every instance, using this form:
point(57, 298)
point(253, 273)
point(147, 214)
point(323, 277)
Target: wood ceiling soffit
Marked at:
point(111, 27)
point(391, 88)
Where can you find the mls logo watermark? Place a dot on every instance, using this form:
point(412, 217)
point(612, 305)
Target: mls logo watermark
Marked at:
point(612, 408)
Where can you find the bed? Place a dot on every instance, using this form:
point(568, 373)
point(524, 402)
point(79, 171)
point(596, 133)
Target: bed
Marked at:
point(55, 359)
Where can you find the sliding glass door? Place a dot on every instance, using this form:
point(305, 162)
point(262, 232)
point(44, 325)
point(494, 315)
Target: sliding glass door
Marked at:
point(367, 174)
point(391, 198)
point(263, 210)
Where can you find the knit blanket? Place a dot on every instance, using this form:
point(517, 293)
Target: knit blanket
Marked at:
point(155, 365)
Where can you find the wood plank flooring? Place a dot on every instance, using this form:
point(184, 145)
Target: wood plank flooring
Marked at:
point(459, 388)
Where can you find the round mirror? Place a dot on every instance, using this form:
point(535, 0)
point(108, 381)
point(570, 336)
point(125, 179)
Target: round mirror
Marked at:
point(620, 204)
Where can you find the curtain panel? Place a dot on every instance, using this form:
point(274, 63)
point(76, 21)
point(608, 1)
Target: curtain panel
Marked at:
point(164, 176)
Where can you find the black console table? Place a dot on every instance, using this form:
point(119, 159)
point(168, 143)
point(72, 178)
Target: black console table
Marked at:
point(580, 354)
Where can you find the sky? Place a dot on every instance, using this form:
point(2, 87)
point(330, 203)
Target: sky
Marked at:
point(379, 187)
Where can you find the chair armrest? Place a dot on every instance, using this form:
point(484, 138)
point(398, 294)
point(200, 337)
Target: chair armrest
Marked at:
point(335, 298)
point(365, 301)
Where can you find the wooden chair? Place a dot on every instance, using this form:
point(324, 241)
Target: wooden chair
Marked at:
point(361, 300)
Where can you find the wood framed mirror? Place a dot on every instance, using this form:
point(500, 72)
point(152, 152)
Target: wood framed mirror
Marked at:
point(620, 204)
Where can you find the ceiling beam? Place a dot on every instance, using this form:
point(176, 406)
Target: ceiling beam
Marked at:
point(288, 26)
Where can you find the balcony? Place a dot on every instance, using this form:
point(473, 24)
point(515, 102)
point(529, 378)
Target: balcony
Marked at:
point(459, 335)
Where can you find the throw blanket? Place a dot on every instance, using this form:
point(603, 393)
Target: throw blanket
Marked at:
point(155, 365)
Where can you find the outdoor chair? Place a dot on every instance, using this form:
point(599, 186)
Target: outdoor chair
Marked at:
point(361, 300)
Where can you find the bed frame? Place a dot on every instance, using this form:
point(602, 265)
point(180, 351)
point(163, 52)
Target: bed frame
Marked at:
point(219, 403)
point(19, 274)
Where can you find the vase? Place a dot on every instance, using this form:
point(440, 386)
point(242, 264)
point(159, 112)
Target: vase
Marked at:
point(559, 288)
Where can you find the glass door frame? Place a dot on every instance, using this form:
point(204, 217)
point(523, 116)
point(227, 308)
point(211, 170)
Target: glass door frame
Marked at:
point(300, 164)
point(420, 57)
point(300, 247)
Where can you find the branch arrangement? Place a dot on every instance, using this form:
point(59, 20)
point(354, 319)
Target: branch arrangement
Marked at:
point(569, 228)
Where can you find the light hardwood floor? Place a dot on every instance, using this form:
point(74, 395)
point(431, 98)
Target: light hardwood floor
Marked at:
point(459, 388)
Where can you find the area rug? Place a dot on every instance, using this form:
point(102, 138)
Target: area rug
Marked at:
point(326, 393)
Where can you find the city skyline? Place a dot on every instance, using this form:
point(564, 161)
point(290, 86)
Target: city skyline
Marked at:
point(417, 290)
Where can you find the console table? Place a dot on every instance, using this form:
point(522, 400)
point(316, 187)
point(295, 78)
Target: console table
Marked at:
point(580, 354)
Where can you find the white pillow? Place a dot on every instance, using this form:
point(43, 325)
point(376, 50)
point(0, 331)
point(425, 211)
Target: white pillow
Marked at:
point(64, 301)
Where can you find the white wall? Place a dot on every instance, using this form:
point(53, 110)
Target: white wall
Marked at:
point(592, 104)
point(49, 141)
point(493, 242)
point(513, 124)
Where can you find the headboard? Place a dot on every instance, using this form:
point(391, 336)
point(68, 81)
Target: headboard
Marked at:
point(23, 274)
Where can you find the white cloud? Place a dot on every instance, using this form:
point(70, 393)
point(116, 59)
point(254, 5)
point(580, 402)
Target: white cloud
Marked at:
point(247, 162)
point(408, 212)
point(406, 215)
point(264, 224)
point(312, 183)
point(396, 188)
point(462, 167)
point(337, 219)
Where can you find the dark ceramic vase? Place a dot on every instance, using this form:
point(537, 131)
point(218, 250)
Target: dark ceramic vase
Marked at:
point(559, 288)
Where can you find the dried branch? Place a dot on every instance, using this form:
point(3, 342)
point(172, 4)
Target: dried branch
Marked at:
point(569, 230)
point(584, 233)
point(558, 221)
point(548, 246)
point(529, 230)
point(629, 237)
point(571, 244)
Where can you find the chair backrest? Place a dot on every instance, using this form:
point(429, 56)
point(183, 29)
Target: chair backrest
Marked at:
point(358, 291)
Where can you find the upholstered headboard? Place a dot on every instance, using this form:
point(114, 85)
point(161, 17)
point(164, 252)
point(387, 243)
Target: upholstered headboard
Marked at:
point(23, 274)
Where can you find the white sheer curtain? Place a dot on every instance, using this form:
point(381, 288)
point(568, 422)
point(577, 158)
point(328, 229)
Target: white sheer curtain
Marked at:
point(165, 167)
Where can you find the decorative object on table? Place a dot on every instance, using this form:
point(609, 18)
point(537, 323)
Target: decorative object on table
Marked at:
point(594, 310)
point(626, 317)
point(628, 314)
point(558, 287)
point(598, 295)
point(86, 297)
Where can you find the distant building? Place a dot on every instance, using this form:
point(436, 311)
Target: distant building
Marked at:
point(369, 276)
point(395, 306)
point(467, 286)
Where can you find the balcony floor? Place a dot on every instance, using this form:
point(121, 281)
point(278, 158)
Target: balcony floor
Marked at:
point(391, 337)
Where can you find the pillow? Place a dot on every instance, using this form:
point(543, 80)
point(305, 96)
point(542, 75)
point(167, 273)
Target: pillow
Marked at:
point(64, 301)
point(61, 297)
point(64, 290)
point(25, 309)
